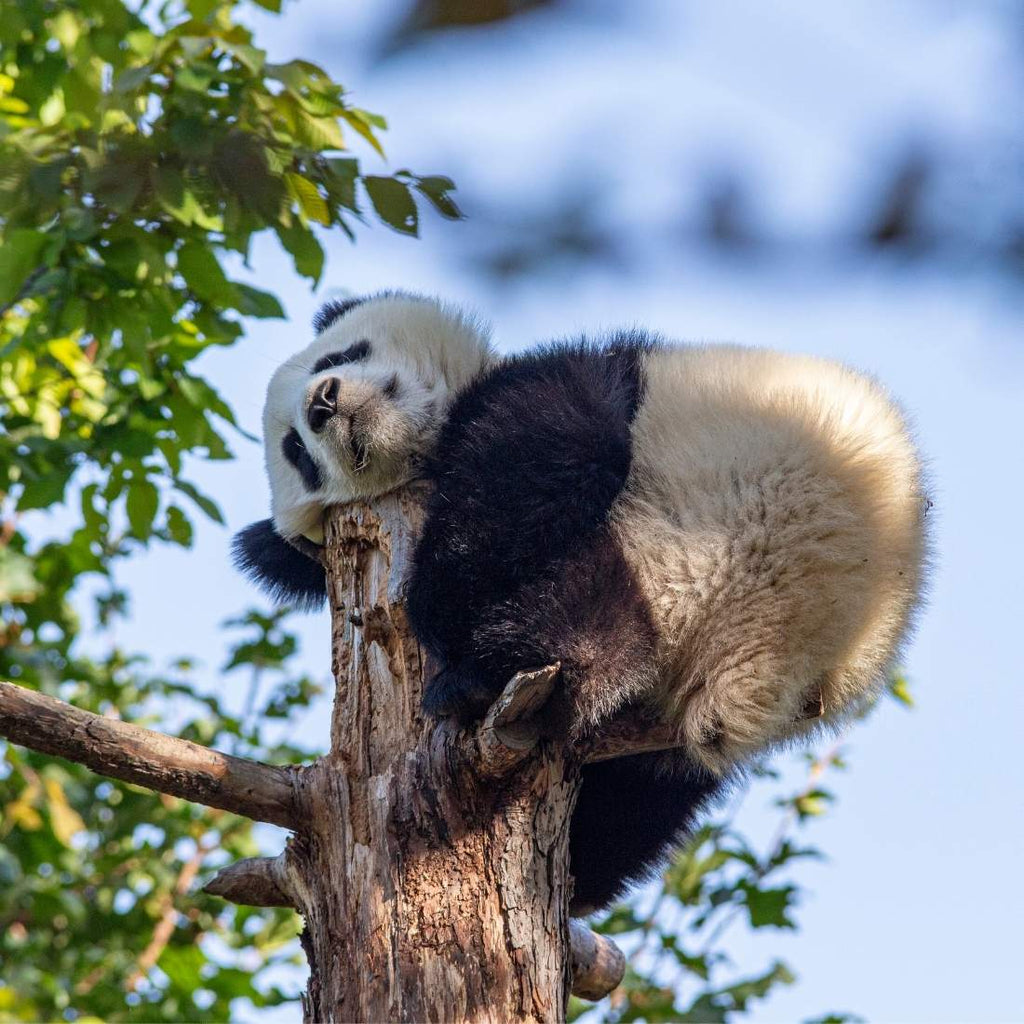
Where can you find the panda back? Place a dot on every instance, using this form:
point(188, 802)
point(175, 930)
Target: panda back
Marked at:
point(774, 515)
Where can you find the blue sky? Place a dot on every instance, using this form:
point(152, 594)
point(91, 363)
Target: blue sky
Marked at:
point(632, 110)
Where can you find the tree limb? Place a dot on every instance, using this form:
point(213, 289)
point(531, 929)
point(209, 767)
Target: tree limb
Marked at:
point(133, 754)
point(513, 727)
point(630, 733)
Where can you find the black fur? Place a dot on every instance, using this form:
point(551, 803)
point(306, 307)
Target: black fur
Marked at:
point(630, 813)
point(516, 568)
point(298, 455)
point(278, 568)
point(333, 309)
point(360, 350)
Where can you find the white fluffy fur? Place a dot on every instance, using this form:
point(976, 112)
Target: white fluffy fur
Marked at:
point(774, 515)
point(434, 349)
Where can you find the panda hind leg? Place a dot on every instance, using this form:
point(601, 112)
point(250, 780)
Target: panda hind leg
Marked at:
point(630, 814)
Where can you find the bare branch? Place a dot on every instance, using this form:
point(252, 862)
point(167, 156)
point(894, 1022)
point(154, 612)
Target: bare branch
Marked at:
point(254, 882)
point(509, 732)
point(597, 964)
point(163, 763)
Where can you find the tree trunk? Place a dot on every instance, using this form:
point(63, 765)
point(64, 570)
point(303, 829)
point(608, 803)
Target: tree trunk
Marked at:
point(432, 890)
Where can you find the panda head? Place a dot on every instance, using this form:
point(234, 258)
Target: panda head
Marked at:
point(351, 416)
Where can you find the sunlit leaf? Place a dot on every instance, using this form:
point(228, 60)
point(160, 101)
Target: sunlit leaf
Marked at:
point(310, 202)
point(64, 819)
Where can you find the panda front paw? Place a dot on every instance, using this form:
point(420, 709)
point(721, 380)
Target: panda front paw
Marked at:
point(458, 691)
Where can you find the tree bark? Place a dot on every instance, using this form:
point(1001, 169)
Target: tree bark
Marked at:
point(432, 890)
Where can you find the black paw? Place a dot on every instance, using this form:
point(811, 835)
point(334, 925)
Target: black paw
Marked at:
point(458, 692)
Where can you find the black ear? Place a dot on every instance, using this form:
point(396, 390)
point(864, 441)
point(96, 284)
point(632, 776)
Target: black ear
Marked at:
point(279, 569)
point(333, 309)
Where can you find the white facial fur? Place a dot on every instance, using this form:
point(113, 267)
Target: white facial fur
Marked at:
point(391, 403)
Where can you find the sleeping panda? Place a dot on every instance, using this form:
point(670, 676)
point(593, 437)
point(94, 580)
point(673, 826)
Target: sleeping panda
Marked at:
point(731, 537)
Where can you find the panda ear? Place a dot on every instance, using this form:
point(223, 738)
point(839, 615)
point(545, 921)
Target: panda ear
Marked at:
point(279, 569)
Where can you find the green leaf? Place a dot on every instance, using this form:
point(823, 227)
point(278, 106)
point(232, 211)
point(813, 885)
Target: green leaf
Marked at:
point(44, 491)
point(170, 191)
point(143, 502)
point(768, 907)
point(133, 78)
point(305, 250)
point(254, 302)
point(182, 965)
point(318, 133)
point(19, 256)
point(206, 504)
point(813, 803)
point(363, 122)
point(393, 202)
point(437, 188)
point(199, 267)
point(250, 57)
point(178, 526)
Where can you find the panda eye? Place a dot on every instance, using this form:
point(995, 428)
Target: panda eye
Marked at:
point(353, 354)
point(295, 452)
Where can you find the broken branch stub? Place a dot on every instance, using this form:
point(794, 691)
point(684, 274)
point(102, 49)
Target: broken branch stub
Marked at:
point(509, 731)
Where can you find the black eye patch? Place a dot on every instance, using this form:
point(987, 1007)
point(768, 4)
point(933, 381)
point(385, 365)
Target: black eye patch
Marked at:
point(295, 452)
point(360, 350)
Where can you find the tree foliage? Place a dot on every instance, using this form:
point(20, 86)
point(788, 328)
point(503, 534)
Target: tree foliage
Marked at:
point(140, 153)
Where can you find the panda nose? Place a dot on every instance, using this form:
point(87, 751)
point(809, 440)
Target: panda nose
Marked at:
point(323, 404)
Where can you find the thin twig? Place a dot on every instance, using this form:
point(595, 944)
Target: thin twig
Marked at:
point(165, 926)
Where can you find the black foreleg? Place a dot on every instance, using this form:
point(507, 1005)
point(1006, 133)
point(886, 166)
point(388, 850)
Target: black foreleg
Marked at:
point(586, 612)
